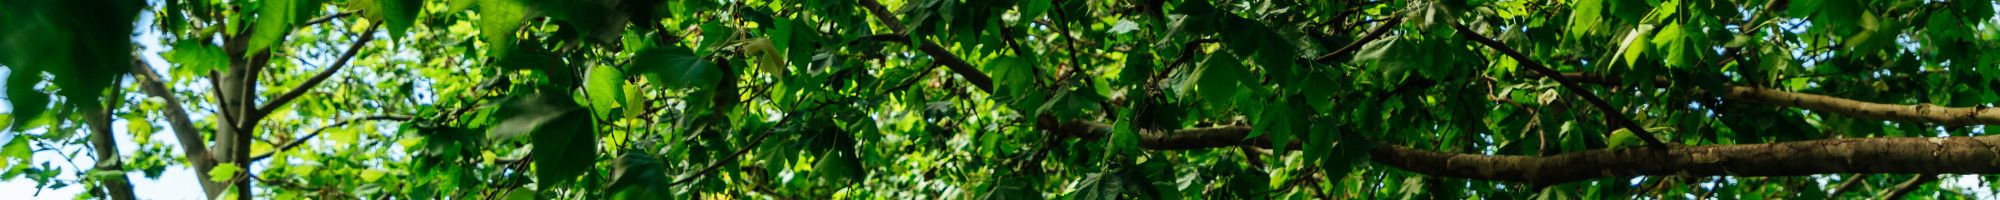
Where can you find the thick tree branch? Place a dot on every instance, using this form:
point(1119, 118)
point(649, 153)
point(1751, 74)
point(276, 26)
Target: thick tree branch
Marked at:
point(295, 143)
point(1364, 40)
point(346, 57)
point(1940, 155)
point(1861, 109)
point(937, 52)
point(192, 145)
point(1526, 62)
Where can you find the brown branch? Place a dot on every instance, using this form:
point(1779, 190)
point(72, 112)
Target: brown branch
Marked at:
point(1612, 112)
point(1938, 155)
point(353, 49)
point(1847, 184)
point(295, 143)
point(1954, 116)
point(192, 146)
point(937, 52)
point(323, 19)
point(106, 148)
point(746, 147)
point(1907, 186)
point(1372, 35)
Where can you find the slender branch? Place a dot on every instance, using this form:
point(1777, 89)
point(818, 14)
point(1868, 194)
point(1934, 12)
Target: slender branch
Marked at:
point(746, 148)
point(1365, 39)
point(323, 19)
point(106, 147)
point(192, 146)
point(937, 52)
point(1847, 184)
point(295, 143)
point(353, 49)
point(1614, 113)
point(1907, 186)
point(1861, 109)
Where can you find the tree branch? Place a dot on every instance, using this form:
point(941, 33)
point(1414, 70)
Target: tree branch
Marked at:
point(1953, 116)
point(106, 148)
point(942, 55)
point(1365, 39)
point(1940, 155)
point(1613, 112)
point(1907, 186)
point(1847, 184)
point(192, 145)
point(323, 19)
point(295, 143)
point(353, 49)
point(746, 148)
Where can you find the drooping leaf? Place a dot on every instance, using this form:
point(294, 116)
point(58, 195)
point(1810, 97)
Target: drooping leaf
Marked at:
point(677, 67)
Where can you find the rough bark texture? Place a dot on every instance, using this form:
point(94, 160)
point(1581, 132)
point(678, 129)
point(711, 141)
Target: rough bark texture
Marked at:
point(1848, 107)
point(1944, 155)
point(192, 146)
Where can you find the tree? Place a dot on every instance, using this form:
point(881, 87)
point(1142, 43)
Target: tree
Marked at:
point(1008, 99)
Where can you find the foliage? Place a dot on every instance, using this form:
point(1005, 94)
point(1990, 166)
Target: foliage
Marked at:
point(806, 99)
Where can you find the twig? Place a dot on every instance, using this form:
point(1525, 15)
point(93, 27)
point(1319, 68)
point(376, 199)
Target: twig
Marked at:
point(352, 50)
point(1907, 186)
point(1613, 112)
point(1365, 39)
point(316, 132)
point(746, 148)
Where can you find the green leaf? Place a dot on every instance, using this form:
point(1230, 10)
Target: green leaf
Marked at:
point(398, 15)
point(677, 67)
point(275, 19)
point(1138, 68)
point(1635, 43)
point(1217, 78)
point(1585, 19)
point(565, 142)
point(223, 172)
point(1622, 138)
point(606, 88)
point(639, 176)
point(16, 156)
point(524, 114)
point(1275, 123)
point(498, 19)
point(1012, 76)
point(198, 57)
point(1031, 9)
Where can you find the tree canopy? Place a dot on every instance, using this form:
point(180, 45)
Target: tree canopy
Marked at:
point(1004, 99)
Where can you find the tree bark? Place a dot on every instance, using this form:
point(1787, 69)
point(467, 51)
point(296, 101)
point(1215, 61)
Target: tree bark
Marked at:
point(1954, 116)
point(192, 146)
point(119, 187)
point(1940, 155)
point(937, 52)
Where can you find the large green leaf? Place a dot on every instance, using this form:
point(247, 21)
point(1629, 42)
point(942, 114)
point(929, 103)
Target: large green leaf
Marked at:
point(276, 18)
point(565, 141)
point(83, 45)
point(498, 19)
point(398, 15)
point(1216, 80)
point(677, 67)
point(606, 88)
point(198, 57)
